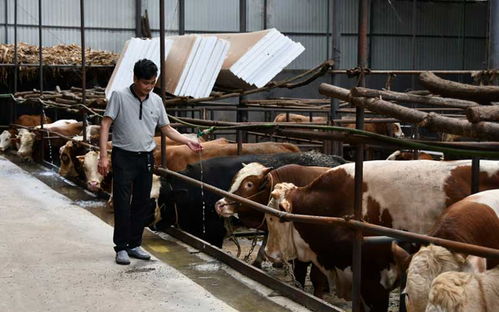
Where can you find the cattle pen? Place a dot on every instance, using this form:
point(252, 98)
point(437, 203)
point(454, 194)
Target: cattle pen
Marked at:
point(328, 136)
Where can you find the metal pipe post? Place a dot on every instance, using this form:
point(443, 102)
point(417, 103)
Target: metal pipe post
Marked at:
point(494, 34)
point(138, 18)
point(265, 12)
point(475, 175)
point(362, 57)
point(181, 17)
point(16, 66)
point(40, 54)
point(6, 22)
point(83, 68)
point(162, 47)
point(242, 16)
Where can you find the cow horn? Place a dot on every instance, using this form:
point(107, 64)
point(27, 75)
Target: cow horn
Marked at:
point(244, 165)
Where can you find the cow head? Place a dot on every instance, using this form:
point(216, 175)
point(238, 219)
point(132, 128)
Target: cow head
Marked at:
point(427, 264)
point(6, 139)
point(280, 245)
point(396, 130)
point(26, 142)
point(250, 182)
point(67, 168)
point(89, 164)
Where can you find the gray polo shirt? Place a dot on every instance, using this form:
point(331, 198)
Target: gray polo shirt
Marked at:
point(133, 128)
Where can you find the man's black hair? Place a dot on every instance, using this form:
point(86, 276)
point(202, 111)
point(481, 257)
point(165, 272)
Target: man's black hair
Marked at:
point(145, 69)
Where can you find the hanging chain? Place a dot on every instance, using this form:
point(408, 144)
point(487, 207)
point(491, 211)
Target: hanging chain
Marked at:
point(48, 135)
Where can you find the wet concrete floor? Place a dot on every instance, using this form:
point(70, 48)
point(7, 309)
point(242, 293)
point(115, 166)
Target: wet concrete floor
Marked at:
point(222, 282)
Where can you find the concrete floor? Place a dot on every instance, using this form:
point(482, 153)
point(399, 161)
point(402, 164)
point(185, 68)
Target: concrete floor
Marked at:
point(57, 256)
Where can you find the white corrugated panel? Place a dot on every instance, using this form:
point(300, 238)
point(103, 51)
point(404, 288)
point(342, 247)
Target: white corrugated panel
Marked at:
point(266, 58)
point(134, 50)
point(202, 67)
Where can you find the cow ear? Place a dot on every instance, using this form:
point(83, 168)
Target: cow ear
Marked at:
point(402, 258)
point(267, 170)
point(81, 158)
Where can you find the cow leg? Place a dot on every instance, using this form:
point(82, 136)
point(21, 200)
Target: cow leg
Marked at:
point(319, 281)
point(260, 256)
point(375, 297)
point(300, 271)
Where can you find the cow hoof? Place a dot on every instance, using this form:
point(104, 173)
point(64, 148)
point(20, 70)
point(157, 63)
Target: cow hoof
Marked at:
point(257, 264)
point(277, 265)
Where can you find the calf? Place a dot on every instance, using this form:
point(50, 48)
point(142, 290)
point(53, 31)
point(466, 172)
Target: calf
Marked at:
point(407, 195)
point(473, 220)
point(463, 292)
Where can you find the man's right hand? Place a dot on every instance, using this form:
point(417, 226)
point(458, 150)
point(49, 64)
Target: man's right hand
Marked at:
point(103, 166)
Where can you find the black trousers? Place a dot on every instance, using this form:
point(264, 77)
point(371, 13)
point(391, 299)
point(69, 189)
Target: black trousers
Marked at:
point(132, 181)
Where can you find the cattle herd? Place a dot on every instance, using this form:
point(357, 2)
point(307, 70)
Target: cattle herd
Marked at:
point(423, 196)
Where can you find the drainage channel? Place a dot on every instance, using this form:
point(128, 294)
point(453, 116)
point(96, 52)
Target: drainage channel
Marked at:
point(241, 293)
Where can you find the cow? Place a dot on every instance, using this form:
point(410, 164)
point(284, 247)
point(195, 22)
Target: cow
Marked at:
point(462, 292)
point(178, 157)
point(473, 220)
point(255, 181)
point(182, 202)
point(9, 136)
point(283, 117)
point(392, 129)
point(66, 127)
point(68, 154)
point(407, 195)
point(404, 155)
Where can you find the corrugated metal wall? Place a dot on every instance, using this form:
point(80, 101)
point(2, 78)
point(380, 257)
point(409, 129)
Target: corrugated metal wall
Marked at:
point(437, 35)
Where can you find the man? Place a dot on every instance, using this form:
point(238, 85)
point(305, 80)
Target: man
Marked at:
point(134, 112)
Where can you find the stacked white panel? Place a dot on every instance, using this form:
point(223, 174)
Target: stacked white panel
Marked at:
point(202, 67)
point(266, 58)
point(135, 49)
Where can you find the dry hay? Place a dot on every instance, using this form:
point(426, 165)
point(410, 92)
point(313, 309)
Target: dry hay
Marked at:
point(56, 55)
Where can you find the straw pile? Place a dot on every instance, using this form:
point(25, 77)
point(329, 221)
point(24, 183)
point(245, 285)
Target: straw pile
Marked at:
point(58, 54)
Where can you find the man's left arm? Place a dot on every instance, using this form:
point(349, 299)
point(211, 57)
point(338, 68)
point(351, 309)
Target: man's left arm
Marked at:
point(173, 134)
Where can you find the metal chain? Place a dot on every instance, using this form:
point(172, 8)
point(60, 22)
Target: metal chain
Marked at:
point(253, 245)
point(48, 135)
point(289, 270)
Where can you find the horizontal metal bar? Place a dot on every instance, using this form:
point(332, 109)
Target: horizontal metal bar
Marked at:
point(354, 224)
point(407, 71)
point(74, 27)
point(415, 35)
point(56, 65)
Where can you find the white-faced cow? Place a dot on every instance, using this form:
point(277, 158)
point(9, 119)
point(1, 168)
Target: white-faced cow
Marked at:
point(473, 220)
point(255, 181)
point(408, 195)
point(66, 127)
point(463, 292)
point(10, 136)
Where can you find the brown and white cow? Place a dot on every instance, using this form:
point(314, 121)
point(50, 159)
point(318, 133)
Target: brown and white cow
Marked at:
point(283, 117)
point(408, 195)
point(463, 292)
point(178, 157)
point(67, 127)
point(473, 220)
point(404, 155)
point(96, 182)
point(255, 181)
point(9, 136)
